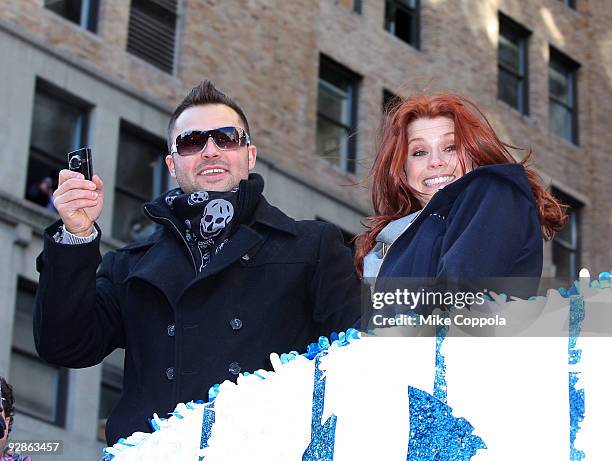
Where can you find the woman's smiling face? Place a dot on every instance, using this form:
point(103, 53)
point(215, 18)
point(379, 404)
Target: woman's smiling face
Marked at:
point(432, 160)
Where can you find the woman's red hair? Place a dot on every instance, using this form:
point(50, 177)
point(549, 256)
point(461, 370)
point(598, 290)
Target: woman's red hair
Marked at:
point(476, 143)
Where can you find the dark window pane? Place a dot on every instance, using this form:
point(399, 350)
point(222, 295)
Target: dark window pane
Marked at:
point(560, 120)
point(566, 243)
point(331, 141)
point(57, 126)
point(336, 114)
point(567, 235)
point(140, 176)
point(558, 84)
point(129, 222)
point(564, 261)
point(23, 338)
point(83, 12)
point(36, 386)
point(404, 24)
point(138, 164)
point(333, 103)
point(42, 178)
point(401, 19)
point(510, 54)
point(509, 88)
point(69, 9)
point(110, 393)
point(562, 90)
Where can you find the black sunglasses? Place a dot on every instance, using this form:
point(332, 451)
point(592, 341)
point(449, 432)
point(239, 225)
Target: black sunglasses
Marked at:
point(225, 138)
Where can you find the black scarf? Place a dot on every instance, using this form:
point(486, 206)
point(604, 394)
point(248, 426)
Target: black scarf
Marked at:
point(209, 219)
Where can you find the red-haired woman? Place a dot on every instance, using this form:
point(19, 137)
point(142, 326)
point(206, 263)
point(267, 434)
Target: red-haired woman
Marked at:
point(450, 200)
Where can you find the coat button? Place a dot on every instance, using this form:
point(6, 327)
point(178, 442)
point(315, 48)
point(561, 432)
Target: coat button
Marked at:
point(236, 324)
point(234, 368)
point(170, 373)
point(246, 257)
point(171, 330)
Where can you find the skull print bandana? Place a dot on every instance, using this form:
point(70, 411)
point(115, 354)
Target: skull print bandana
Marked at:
point(208, 219)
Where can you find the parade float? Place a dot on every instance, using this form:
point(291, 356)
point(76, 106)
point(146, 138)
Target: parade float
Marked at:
point(403, 395)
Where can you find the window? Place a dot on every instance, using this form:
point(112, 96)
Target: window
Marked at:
point(389, 100)
point(59, 125)
point(141, 175)
point(337, 114)
point(402, 20)
point(570, 3)
point(40, 389)
point(152, 32)
point(81, 12)
point(566, 244)
point(110, 389)
point(512, 86)
point(563, 96)
point(353, 5)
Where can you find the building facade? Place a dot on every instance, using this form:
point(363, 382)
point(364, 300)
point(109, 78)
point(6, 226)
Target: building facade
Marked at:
point(313, 77)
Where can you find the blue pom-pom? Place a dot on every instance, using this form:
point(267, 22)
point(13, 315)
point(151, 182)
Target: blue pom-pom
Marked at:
point(323, 343)
point(213, 392)
point(352, 333)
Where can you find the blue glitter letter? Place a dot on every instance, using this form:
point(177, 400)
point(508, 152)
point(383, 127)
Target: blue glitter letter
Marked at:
point(207, 423)
point(435, 434)
point(440, 378)
point(576, 397)
point(323, 436)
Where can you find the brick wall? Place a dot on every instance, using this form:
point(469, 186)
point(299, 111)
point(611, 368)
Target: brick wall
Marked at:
point(265, 53)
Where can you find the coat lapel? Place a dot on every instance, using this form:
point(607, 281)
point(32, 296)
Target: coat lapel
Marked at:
point(166, 265)
point(244, 240)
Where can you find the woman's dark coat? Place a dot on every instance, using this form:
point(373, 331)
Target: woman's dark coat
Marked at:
point(277, 285)
point(484, 224)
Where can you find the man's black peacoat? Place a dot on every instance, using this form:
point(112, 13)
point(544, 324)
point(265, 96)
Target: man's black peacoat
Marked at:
point(277, 285)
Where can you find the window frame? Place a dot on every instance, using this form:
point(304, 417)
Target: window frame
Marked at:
point(90, 15)
point(518, 34)
point(61, 397)
point(575, 221)
point(348, 164)
point(81, 131)
point(105, 382)
point(415, 16)
point(565, 65)
point(160, 180)
point(570, 3)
